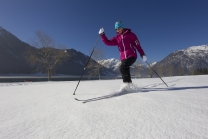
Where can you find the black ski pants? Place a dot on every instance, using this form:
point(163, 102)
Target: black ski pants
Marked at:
point(125, 69)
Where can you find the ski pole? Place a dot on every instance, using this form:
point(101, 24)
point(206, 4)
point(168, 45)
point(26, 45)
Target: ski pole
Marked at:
point(87, 63)
point(157, 74)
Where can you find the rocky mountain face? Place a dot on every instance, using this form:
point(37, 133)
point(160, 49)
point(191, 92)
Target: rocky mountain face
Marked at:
point(12, 58)
point(76, 64)
point(14, 61)
point(183, 61)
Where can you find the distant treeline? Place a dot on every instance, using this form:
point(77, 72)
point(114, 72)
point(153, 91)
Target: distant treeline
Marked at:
point(199, 71)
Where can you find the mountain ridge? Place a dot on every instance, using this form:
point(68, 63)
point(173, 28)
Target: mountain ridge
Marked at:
point(185, 60)
point(176, 63)
point(12, 56)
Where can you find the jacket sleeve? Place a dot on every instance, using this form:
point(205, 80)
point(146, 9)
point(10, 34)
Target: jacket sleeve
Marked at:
point(111, 42)
point(136, 43)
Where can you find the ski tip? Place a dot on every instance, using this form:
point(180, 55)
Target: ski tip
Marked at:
point(77, 99)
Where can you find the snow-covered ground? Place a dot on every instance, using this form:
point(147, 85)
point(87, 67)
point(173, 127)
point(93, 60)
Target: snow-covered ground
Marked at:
point(48, 110)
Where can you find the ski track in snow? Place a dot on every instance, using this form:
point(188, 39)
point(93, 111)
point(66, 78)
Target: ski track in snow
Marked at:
point(48, 110)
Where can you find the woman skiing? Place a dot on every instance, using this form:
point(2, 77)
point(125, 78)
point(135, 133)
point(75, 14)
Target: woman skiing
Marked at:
point(127, 43)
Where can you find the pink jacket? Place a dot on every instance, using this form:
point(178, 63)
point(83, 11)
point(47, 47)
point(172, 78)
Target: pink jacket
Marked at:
point(127, 43)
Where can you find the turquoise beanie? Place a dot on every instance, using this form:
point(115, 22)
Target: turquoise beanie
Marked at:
point(118, 25)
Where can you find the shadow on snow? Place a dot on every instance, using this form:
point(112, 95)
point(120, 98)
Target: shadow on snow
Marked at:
point(173, 88)
point(143, 90)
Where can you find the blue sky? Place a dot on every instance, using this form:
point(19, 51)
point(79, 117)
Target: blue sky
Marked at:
point(162, 26)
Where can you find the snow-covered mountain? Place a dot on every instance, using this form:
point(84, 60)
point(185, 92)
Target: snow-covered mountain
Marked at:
point(195, 56)
point(138, 69)
point(114, 64)
point(186, 59)
point(180, 62)
point(152, 64)
point(111, 63)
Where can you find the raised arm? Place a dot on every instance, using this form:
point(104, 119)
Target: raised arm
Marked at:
point(111, 42)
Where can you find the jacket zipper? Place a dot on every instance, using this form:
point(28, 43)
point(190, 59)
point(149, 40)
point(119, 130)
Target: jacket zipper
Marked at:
point(124, 47)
